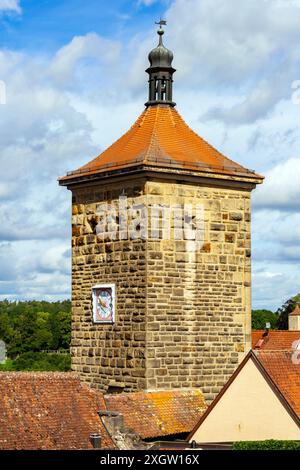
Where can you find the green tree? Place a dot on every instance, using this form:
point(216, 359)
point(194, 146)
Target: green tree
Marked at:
point(38, 361)
point(261, 317)
point(284, 311)
point(6, 331)
point(35, 326)
point(42, 338)
point(64, 321)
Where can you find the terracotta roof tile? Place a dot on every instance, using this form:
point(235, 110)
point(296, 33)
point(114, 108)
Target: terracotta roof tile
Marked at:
point(275, 340)
point(284, 369)
point(154, 414)
point(161, 138)
point(48, 411)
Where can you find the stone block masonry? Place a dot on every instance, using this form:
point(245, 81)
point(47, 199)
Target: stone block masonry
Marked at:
point(183, 316)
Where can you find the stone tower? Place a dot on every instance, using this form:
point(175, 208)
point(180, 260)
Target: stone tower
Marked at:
point(161, 270)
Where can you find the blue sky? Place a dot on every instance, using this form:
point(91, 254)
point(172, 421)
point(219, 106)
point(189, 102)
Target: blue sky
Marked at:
point(75, 80)
point(46, 25)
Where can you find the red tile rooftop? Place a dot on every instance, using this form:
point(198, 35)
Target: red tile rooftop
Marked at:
point(161, 138)
point(48, 410)
point(161, 413)
point(284, 369)
point(55, 411)
point(275, 339)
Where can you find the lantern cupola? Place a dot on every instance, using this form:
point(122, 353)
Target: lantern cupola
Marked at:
point(160, 73)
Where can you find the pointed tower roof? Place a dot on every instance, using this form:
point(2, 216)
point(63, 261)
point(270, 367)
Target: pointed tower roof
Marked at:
point(160, 140)
point(296, 311)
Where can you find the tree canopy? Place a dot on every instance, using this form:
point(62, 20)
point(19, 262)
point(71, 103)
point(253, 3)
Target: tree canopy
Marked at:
point(261, 317)
point(33, 329)
point(35, 326)
point(284, 311)
point(279, 320)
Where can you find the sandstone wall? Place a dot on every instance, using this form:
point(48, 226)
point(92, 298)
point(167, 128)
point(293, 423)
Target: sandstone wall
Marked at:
point(199, 302)
point(183, 316)
point(107, 354)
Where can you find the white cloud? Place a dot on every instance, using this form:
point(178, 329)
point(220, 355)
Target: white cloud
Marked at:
point(10, 6)
point(276, 253)
point(90, 46)
point(273, 286)
point(277, 226)
point(6, 190)
point(210, 42)
point(281, 189)
point(61, 111)
point(42, 136)
point(260, 101)
point(255, 56)
point(35, 270)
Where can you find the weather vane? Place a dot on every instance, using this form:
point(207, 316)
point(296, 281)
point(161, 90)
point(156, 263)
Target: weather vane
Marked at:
point(161, 23)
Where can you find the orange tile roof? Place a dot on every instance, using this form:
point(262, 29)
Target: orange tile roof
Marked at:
point(161, 138)
point(48, 411)
point(284, 369)
point(296, 311)
point(275, 340)
point(156, 414)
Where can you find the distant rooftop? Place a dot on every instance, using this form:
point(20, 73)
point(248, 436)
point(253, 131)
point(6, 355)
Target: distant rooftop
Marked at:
point(275, 340)
point(55, 411)
point(284, 369)
point(296, 311)
point(158, 414)
point(48, 410)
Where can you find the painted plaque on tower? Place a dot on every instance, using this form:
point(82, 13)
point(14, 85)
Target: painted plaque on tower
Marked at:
point(103, 303)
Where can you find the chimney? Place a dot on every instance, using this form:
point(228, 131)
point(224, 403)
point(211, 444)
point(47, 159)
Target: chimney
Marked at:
point(267, 330)
point(95, 440)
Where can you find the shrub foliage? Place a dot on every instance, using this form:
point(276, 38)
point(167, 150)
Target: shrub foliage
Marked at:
point(266, 445)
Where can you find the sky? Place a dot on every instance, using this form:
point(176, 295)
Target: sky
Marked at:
point(74, 76)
